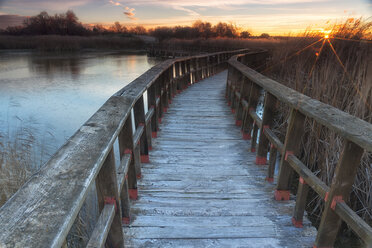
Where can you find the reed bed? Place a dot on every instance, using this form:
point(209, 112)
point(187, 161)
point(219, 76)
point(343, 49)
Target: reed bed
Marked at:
point(341, 78)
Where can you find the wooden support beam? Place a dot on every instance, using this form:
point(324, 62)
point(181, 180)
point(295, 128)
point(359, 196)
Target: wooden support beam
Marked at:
point(151, 101)
point(292, 143)
point(272, 162)
point(308, 176)
point(301, 196)
point(252, 105)
point(102, 228)
point(126, 146)
point(342, 183)
point(107, 192)
point(139, 120)
point(357, 224)
point(267, 121)
point(274, 140)
point(244, 94)
point(254, 138)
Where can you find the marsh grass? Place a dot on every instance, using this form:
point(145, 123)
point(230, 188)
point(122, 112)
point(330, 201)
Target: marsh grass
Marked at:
point(347, 87)
point(24, 149)
point(219, 44)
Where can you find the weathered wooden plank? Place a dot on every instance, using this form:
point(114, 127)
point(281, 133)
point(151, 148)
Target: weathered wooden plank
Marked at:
point(137, 135)
point(201, 183)
point(49, 201)
point(359, 226)
point(108, 193)
point(123, 170)
point(200, 232)
point(346, 125)
point(274, 140)
point(231, 243)
point(291, 146)
point(256, 118)
point(342, 183)
point(102, 228)
point(314, 182)
point(267, 121)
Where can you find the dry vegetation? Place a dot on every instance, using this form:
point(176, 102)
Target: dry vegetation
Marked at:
point(319, 74)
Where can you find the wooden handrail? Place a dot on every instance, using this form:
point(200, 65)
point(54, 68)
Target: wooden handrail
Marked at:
point(43, 210)
point(356, 133)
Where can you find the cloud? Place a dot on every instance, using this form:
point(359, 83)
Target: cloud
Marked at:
point(44, 4)
point(189, 11)
point(217, 3)
point(130, 13)
point(115, 3)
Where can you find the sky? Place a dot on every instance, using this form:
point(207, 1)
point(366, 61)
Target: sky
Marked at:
point(258, 16)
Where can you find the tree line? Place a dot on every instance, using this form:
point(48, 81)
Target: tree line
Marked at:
point(68, 24)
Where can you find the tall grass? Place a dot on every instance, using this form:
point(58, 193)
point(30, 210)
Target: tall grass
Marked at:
point(21, 155)
point(220, 44)
point(347, 87)
point(23, 151)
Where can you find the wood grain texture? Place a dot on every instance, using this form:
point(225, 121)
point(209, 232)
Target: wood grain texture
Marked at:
point(100, 232)
point(346, 125)
point(202, 188)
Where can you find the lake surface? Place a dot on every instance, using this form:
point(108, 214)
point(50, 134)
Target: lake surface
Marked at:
point(48, 97)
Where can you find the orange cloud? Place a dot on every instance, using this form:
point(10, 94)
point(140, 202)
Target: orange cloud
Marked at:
point(130, 13)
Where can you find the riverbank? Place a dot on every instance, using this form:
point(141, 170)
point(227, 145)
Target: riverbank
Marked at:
point(58, 43)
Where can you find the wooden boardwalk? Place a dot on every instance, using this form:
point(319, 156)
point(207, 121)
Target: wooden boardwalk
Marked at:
point(202, 187)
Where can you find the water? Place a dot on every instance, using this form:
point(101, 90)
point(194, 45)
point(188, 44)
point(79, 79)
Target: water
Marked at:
point(51, 96)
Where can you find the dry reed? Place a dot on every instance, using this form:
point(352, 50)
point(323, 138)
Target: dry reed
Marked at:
point(319, 74)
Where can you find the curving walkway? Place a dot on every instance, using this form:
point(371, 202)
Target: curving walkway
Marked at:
point(202, 187)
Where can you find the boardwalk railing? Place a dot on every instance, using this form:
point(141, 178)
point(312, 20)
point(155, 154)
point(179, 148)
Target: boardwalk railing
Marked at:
point(244, 87)
point(43, 211)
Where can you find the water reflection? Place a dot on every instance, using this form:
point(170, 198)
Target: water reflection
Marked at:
point(60, 92)
point(50, 66)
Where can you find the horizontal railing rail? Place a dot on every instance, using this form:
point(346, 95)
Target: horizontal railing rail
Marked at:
point(43, 210)
point(243, 89)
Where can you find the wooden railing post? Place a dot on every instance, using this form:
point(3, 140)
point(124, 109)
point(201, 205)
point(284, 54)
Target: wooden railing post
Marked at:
point(193, 70)
point(342, 183)
point(291, 146)
point(164, 96)
point(238, 78)
point(139, 120)
point(233, 82)
point(254, 137)
point(107, 193)
point(172, 74)
point(247, 124)
point(272, 162)
point(267, 121)
point(125, 139)
point(168, 82)
point(244, 94)
point(301, 196)
point(198, 70)
point(126, 146)
point(184, 78)
point(158, 89)
point(151, 101)
point(229, 82)
point(189, 68)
